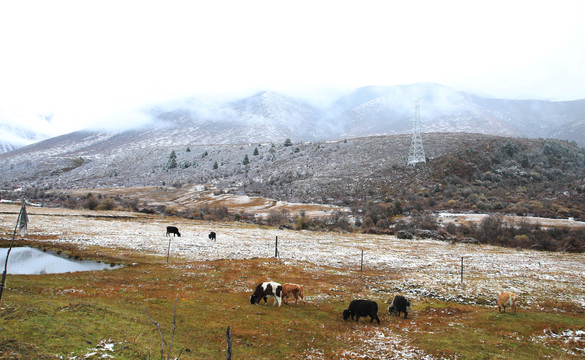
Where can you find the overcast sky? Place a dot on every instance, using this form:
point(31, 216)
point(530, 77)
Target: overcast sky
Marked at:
point(88, 61)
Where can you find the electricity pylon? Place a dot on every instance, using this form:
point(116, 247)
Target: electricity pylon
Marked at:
point(417, 151)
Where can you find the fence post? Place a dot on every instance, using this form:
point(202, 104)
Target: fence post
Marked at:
point(462, 269)
point(228, 335)
point(362, 262)
point(169, 250)
point(276, 248)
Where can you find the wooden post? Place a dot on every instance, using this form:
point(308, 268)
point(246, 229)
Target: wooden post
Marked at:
point(276, 248)
point(362, 262)
point(21, 222)
point(228, 335)
point(169, 250)
point(462, 269)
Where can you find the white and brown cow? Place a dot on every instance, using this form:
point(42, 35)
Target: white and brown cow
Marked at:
point(265, 289)
point(293, 290)
point(507, 299)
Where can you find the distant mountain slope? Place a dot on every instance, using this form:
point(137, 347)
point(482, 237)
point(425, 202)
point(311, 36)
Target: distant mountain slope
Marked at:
point(376, 110)
point(464, 171)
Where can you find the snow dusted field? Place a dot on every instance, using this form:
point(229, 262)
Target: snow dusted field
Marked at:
point(421, 268)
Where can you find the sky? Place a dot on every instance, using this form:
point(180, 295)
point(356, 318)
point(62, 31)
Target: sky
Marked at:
point(81, 63)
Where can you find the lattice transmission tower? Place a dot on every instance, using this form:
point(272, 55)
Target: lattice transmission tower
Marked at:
point(417, 151)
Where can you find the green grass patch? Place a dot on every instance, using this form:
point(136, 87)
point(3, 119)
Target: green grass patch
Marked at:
point(470, 332)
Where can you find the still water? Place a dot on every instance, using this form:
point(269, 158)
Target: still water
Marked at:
point(31, 261)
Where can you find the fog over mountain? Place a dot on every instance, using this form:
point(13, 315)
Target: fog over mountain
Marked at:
point(376, 110)
point(28, 131)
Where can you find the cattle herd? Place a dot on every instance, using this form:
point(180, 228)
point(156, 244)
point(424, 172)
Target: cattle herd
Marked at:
point(175, 231)
point(357, 308)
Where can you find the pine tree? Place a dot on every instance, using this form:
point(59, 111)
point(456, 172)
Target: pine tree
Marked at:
point(246, 160)
point(172, 163)
point(215, 166)
point(256, 153)
point(287, 142)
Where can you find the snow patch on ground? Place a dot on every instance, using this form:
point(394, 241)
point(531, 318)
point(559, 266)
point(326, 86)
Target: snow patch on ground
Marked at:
point(387, 344)
point(532, 220)
point(421, 268)
point(103, 350)
point(573, 340)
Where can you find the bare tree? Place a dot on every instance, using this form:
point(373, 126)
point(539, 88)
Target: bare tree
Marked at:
point(163, 341)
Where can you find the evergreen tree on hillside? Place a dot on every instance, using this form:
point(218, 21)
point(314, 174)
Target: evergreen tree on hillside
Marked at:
point(246, 160)
point(172, 163)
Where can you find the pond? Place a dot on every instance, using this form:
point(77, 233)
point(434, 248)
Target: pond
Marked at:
point(31, 261)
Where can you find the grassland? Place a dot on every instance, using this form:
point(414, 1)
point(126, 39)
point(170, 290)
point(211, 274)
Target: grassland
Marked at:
point(205, 287)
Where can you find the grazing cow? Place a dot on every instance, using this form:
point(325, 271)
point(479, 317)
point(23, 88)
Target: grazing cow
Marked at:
point(292, 290)
point(212, 236)
point(399, 304)
point(359, 308)
point(269, 288)
point(173, 230)
point(507, 299)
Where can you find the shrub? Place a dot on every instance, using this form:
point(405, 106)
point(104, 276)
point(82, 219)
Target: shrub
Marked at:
point(170, 210)
point(489, 228)
point(368, 223)
point(428, 222)
point(276, 218)
point(91, 202)
point(522, 241)
point(302, 223)
point(106, 204)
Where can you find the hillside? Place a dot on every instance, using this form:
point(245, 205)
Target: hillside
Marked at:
point(464, 172)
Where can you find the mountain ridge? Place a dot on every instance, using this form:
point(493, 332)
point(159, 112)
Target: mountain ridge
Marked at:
point(375, 110)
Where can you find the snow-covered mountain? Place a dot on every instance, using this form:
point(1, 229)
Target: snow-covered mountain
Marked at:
point(375, 110)
point(267, 116)
point(388, 110)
